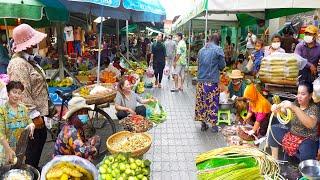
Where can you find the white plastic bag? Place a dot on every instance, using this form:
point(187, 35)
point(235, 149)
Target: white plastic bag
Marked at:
point(249, 65)
point(73, 159)
point(302, 62)
point(166, 70)
point(316, 87)
point(150, 72)
point(223, 98)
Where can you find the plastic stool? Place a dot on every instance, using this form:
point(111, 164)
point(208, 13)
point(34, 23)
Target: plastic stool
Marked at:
point(224, 120)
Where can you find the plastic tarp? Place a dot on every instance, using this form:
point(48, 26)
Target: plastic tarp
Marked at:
point(148, 11)
point(248, 11)
point(113, 3)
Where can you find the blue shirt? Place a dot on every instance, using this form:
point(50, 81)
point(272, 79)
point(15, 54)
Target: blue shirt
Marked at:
point(258, 55)
point(210, 63)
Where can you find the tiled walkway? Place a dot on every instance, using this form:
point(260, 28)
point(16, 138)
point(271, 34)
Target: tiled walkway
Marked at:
point(177, 141)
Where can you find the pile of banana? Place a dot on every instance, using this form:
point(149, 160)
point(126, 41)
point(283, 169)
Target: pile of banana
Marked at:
point(283, 118)
point(84, 91)
point(68, 171)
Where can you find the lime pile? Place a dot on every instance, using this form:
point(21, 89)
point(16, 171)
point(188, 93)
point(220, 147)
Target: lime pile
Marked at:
point(122, 167)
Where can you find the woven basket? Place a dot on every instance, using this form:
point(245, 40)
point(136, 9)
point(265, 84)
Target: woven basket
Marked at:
point(82, 79)
point(118, 136)
point(243, 135)
point(98, 98)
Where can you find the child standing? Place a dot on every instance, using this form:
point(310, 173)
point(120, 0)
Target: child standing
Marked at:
point(258, 54)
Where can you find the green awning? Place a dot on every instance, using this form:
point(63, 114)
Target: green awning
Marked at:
point(41, 12)
point(275, 13)
point(131, 28)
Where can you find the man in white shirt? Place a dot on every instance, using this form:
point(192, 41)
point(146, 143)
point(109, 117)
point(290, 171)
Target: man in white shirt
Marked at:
point(170, 51)
point(251, 40)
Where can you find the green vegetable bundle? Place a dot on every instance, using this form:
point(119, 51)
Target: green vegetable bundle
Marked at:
point(235, 162)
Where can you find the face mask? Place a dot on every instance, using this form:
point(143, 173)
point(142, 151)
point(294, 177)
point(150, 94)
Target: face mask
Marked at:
point(236, 83)
point(308, 39)
point(84, 118)
point(275, 45)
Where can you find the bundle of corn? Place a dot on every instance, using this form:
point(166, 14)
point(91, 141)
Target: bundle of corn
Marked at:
point(279, 69)
point(235, 162)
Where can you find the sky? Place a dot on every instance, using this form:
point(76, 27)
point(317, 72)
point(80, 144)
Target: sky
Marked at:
point(176, 7)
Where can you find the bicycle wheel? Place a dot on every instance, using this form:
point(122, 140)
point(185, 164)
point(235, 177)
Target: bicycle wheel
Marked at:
point(102, 125)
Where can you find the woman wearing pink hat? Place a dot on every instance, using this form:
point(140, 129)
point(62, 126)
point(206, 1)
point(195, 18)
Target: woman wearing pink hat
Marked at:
point(23, 68)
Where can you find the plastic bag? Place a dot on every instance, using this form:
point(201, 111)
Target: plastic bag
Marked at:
point(316, 87)
point(113, 69)
point(249, 65)
point(155, 112)
point(4, 78)
point(150, 72)
point(73, 159)
point(166, 71)
point(223, 98)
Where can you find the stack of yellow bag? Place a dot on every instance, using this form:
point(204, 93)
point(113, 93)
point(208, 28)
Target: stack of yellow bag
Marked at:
point(279, 68)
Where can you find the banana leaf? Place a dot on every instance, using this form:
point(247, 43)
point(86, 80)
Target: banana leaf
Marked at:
point(222, 161)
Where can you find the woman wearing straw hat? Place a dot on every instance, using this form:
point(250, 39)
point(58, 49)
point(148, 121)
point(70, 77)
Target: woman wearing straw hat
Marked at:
point(71, 139)
point(23, 68)
point(237, 86)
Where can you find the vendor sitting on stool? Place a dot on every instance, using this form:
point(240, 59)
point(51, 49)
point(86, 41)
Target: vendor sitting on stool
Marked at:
point(301, 139)
point(71, 139)
point(126, 101)
point(236, 86)
point(259, 107)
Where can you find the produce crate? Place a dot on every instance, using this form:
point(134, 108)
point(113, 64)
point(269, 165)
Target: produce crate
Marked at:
point(54, 96)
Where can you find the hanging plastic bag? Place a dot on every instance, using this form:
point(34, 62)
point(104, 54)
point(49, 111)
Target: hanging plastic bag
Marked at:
point(73, 159)
point(316, 87)
point(155, 112)
point(166, 70)
point(150, 71)
point(249, 66)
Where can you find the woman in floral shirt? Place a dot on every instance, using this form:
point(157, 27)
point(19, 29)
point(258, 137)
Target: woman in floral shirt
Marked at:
point(71, 140)
point(301, 139)
point(13, 119)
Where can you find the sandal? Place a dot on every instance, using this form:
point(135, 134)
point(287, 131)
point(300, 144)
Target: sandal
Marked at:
point(214, 129)
point(204, 126)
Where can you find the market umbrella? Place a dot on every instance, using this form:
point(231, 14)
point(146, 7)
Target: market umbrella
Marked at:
point(138, 11)
point(37, 13)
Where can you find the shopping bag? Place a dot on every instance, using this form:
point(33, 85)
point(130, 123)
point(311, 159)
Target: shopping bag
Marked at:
point(150, 71)
point(249, 66)
point(166, 70)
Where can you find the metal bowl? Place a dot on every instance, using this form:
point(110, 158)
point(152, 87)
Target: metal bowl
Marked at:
point(226, 105)
point(18, 172)
point(310, 169)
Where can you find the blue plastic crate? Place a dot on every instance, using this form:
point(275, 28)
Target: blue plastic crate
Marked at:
point(54, 96)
